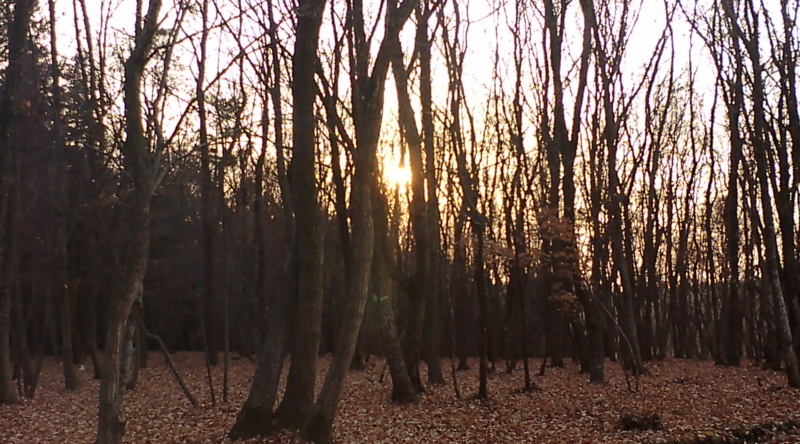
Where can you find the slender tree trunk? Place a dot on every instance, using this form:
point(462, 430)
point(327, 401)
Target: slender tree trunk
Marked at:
point(616, 198)
point(403, 390)
point(256, 416)
point(460, 294)
point(62, 259)
point(19, 323)
point(480, 284)
point(207, 206)
point(733, 332)
point(91, 335)
point(432, 288)
point(786, 196)
point(65, 322)
point(420, 280)
point(254, 419)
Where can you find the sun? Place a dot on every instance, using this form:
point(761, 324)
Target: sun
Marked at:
point(397, 175)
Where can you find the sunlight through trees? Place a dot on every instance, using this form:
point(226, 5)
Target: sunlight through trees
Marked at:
point(426, 181)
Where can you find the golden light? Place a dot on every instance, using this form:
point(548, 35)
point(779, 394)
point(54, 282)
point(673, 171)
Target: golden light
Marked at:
point(397, 175)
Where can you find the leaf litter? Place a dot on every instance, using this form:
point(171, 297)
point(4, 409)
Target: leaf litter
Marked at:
point(695, 401)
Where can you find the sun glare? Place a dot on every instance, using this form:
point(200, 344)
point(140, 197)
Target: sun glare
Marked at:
point(397, 175)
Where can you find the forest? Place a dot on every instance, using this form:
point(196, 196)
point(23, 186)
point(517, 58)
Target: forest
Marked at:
point(399, 221)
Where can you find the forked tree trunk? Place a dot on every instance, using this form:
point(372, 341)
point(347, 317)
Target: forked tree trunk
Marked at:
point(367, 112)
point(137, 162)
point(299, 397)
point(318, 427)
point(615, 198)
point(733, 321)
point(254, 419)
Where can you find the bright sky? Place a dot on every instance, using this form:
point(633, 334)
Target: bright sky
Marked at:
point(486, 21)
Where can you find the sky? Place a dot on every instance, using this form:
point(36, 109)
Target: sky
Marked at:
point(485, 23)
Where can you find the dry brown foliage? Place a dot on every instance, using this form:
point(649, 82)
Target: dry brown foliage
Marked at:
point(691, 399)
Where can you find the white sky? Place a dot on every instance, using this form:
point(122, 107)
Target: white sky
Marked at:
point(488, 28)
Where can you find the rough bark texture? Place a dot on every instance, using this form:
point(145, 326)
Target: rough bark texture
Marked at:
point(318, 427)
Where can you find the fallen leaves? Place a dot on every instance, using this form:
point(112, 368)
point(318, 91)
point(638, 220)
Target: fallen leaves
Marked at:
point(691, 398)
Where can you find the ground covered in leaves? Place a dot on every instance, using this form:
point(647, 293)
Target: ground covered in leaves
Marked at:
point(694, 402)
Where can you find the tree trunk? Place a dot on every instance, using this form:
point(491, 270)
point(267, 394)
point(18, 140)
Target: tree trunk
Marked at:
point(760, 149)
point(207, 206)
point(433, 289)
point(403, 390)
point(65, 322)
point(254, 419)
point(480, 284)
point(733, 332)
point(420, 285)
point(91, 335)
point(11, 112)
point(318, 427)
point(299, 397)
point(111, 415)
point(367, 114)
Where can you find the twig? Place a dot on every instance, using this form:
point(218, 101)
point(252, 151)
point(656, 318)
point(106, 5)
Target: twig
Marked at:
point(171, 364)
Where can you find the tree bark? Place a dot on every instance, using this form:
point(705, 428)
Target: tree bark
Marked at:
point(299, 397)
point(11, 113)
point(615, 195)
point(138, 164)
point(432, 288)
point(760, 149)
point(368, 103)
point(417, 296)
point(403, 390)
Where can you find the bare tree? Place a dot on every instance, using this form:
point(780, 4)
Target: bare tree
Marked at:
point(12, 110)
point(139, 165)
point(745, 30)
point(368, 86)
point(299, 397)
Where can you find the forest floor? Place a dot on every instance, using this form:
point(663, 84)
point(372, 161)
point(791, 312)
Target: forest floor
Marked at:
point(692, 398)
